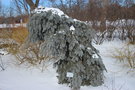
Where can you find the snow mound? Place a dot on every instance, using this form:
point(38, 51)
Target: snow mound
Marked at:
point(41, 9)
point(72, 28)
point(3, 52)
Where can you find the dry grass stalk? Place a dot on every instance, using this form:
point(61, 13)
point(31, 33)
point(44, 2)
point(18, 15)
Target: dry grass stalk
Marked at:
point(125, 54)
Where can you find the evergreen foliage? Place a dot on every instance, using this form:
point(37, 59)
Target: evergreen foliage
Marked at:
point(69, 42)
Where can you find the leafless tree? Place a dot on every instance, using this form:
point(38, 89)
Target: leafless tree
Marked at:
point(32, 4)
point(105, 4)
point(25, 6)
point(21, 6)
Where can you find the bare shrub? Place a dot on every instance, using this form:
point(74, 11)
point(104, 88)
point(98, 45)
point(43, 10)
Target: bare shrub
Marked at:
point(19, 34)
point(125, 55)
point(101, 34)
point(131, 31)
point(99, 37)
point(31, 56)
point(12, 48)
point(5, 33)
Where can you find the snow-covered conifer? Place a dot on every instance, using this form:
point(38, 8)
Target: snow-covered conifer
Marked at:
point(69, 42)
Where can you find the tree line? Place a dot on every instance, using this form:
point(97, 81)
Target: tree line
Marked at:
point(103, 15)
point(85, 10)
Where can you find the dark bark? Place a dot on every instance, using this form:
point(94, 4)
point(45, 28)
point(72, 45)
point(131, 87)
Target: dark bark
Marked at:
point(32, 4)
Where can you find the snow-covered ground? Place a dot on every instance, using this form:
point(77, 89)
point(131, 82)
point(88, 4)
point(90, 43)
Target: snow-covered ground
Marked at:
point(12, 25)
point(21, 78)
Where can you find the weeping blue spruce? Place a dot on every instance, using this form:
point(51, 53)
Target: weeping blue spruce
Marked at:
point(69, 42)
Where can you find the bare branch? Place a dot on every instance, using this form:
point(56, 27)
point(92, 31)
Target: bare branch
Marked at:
point(32, 4)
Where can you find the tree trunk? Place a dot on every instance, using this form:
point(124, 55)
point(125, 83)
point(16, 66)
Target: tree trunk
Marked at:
point(32, 4)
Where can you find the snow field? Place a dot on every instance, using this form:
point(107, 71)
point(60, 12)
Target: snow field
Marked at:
point(22, 78)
